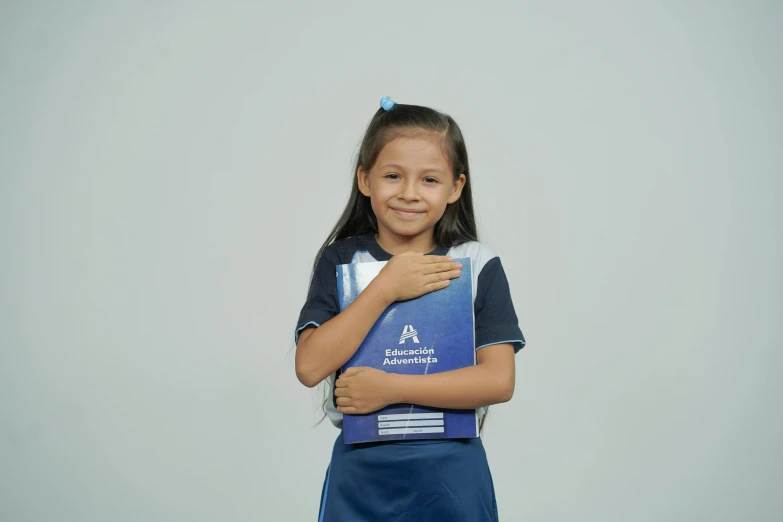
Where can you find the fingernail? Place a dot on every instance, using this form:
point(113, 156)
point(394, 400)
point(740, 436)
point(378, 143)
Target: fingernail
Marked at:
point(459, 265)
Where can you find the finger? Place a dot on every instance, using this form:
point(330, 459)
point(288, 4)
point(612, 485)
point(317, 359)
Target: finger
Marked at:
point(341, 382)
point(437, 259)
point(441, 267)
point(442, 276)
point(349, 410)
point(437, 285)
point(344, 401)
point(341, 392)
point(350, 371)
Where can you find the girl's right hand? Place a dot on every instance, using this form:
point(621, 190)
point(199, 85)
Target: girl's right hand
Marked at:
point(411, 274)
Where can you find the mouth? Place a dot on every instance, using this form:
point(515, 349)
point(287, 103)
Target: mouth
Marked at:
point(406, 213)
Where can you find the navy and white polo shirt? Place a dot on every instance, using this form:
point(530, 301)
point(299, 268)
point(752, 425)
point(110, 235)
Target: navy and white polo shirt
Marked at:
point(495, 319)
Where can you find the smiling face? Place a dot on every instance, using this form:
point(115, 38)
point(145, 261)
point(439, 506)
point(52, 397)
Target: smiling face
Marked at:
point(409, 187)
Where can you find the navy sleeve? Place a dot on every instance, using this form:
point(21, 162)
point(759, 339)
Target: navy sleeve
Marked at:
point(322, 303)
point(496, 320)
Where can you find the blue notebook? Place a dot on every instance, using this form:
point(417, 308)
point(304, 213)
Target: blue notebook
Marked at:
point(430, 334)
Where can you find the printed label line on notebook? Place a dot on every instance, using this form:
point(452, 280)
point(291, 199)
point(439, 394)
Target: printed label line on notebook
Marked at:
point(411, 431)
point(409, 416)
point(412, 424)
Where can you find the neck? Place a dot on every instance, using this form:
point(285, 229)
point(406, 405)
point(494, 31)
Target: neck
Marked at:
point(397, 244)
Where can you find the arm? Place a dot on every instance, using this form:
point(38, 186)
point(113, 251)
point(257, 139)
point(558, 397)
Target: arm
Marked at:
point(490, 381)
point(321, 351)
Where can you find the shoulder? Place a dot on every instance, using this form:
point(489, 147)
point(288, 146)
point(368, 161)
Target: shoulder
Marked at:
point(342, 251)
point(480, 254)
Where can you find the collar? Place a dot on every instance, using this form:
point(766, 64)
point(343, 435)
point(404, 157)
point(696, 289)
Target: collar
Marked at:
point(381, 255)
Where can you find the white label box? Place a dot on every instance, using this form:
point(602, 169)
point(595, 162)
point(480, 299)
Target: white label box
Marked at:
point(411, 431)
point(409, 416)
point(411, 424)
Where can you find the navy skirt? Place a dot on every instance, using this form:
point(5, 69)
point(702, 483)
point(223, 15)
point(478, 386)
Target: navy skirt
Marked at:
point(419, 480)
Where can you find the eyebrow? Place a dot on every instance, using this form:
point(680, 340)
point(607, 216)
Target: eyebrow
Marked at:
point(398, 167)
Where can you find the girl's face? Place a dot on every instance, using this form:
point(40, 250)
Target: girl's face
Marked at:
point(409, 186)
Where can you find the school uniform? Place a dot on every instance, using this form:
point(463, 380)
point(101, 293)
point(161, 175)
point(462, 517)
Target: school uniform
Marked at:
point(413, 480)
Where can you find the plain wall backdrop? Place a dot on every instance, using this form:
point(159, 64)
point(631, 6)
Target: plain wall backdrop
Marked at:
point(169, 169)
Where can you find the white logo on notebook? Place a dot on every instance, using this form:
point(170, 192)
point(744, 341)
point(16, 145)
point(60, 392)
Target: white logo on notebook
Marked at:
point(409, 332)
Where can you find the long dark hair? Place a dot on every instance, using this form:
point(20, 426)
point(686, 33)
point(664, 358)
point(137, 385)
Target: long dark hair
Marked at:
point(458, 224)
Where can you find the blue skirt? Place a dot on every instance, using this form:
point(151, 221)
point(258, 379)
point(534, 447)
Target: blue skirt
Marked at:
point(419, 480)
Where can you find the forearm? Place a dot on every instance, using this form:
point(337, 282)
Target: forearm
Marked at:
point(323, 350)
point(465, 388)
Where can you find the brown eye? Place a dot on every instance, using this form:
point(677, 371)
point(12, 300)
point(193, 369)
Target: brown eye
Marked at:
point(431, 180)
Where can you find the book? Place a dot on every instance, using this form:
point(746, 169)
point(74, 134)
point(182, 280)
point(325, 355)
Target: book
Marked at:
point(429, 334)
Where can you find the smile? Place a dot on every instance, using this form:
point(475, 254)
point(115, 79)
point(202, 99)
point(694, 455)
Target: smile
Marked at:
point(407, 213)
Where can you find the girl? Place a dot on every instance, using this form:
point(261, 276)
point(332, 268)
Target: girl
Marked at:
point(411, 195)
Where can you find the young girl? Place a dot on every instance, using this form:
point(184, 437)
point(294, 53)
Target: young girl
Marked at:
point(411, 195)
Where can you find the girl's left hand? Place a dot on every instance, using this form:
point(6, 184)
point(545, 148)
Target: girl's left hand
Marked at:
point(362, 390)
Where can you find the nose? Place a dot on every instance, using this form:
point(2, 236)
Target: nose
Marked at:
point(408, 190)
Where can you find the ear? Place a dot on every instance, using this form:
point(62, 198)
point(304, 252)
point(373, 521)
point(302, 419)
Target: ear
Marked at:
point(456, 189)
point(363, 179)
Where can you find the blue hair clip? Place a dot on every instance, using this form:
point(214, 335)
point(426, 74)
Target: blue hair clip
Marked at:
point(387, 103)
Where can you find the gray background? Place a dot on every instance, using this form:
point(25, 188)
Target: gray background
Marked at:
point(168, 170)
